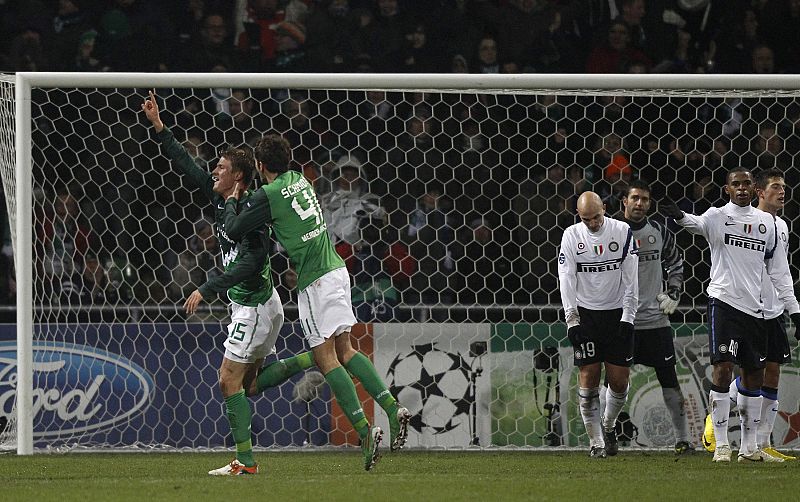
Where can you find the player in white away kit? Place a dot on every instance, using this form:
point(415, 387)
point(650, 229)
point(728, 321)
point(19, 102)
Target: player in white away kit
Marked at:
point(597, 273)
point(742, 240)
point(653, 345)
point(771, 190)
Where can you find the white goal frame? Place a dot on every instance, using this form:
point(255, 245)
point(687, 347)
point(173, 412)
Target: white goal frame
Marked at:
point(645, 85)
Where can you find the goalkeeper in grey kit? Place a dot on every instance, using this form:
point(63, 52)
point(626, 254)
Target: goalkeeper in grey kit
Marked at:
point(597, 273)
point(653, 338)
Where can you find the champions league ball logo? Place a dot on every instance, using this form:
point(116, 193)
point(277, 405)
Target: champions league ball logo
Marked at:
point(434, 385)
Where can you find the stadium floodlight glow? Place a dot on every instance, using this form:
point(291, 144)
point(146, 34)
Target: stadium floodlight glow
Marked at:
point(493, 140)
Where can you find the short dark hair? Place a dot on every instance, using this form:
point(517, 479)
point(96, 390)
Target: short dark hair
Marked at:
point(638, 184)
point(274, 152)
point(241, 160)
point(735, 170)
point(763, 177)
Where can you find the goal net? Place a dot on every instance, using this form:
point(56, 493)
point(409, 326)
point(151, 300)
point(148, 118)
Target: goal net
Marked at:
point(447, 197)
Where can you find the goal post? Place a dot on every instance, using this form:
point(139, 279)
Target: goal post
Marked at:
point(508, 327)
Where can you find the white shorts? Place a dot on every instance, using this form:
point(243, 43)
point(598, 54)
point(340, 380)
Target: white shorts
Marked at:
point(253, 331)
point(325, 307)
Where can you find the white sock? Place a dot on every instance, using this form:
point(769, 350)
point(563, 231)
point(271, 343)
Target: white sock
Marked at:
point(769, 410)
point(603, 390)
point(675, 405)
point(720, 410)
point(749, 418)
point(734, 392)
point(614, 403)
point(589, 400)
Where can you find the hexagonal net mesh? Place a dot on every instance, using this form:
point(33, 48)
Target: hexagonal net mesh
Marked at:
point(448, 208)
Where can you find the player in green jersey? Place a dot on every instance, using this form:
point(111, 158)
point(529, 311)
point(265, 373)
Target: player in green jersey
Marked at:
point(287, 201)
point(256, 310)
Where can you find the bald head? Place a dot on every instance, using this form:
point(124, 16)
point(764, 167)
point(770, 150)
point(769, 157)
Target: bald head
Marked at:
point(590, 210)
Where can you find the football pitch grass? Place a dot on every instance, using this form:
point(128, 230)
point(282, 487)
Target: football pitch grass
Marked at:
point(407, 475)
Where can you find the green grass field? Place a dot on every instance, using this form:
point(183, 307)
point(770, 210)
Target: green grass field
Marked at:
point(409, 475)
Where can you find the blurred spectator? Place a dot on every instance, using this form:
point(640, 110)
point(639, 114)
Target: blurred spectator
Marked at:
point(736, 40)
point(87, 58)
point(129, 25)
point(431, 236)
point(329, 30)
point(459, 64)
point(212, 49)
point(418, 56)
point(486, 58)
point(615, 181)
point(27, 52)
point(195, 265)
point(763, 59)
point(64, 237)
point(391, 26)
point(272, 36)
point(348, 204)
point(381, 267)
point(71, 21)
point(519, 25)
point(615, 54)
point(482, 263)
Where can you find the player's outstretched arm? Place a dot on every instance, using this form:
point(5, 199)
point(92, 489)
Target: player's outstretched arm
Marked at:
point(692, 223)
point(198, 176)
point(152, 112)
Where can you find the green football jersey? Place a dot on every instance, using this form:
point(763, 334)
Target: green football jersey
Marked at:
point(247, 276)
point(290, 205)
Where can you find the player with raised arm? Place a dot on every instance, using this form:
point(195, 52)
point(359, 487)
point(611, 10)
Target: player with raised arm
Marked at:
point(771, 191)
point(287, 201)
point(256, 310)
point(598, 279)
point(659, 256)
point(743, 240)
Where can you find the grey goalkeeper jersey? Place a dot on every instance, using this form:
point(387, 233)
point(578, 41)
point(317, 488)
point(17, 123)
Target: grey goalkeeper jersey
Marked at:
point(658, 256)
point(598, 271)
point(773, 306)
point(742, 241)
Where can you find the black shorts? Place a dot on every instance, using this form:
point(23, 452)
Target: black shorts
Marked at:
point(599, 339)
point(654, 347)
point(778, 350)
point(734, 336)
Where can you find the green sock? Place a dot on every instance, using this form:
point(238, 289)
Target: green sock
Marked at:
point(362, 368)
point(278, 372)
point(238, 408)
point(345, 393)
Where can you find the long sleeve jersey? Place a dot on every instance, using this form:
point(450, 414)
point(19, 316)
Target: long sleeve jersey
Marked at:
point(248, 275)
point(598, 271)
point(773, 305)
point(659, 256)
point(742, 240)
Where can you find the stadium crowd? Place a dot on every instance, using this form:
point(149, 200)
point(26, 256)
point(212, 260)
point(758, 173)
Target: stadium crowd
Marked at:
point(431, 199)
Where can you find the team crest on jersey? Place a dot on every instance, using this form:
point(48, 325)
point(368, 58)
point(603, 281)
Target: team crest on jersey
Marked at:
point(581, 246)
point(762, 229)
point(748, 228)
point(598, 249)
point(651, 239)
point(637, 243)
point(613, 247)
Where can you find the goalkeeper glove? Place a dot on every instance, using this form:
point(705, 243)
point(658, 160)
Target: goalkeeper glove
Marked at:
point(575, 335)
point(625, 331)
point(796, 320)
point(671, 210)
point(668, 301)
